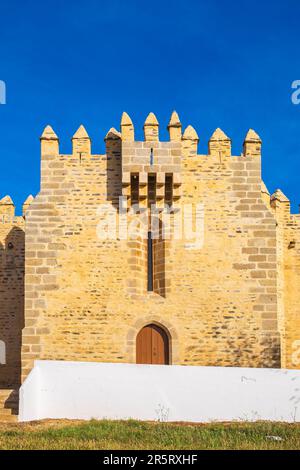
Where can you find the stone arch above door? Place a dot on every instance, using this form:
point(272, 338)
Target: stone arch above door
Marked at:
point(160, 322)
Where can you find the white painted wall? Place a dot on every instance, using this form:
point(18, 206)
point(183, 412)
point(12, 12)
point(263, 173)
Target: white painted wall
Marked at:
point(78, 390)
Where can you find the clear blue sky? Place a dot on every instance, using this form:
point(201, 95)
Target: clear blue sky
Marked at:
point(219, 63)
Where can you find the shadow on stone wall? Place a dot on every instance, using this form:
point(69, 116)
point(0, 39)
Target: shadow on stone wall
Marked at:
point(113, 169)
point(12, 305)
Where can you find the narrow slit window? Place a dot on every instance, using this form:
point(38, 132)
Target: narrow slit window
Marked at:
point(151, 157)
point(169, 190)
point(150, 263)
point(134, 189)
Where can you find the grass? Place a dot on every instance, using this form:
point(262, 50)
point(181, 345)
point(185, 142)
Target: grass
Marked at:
point(141, 435)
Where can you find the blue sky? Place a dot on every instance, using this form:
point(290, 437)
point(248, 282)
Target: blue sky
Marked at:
point(219, 63)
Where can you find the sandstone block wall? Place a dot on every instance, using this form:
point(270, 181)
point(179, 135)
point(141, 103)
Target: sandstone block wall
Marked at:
point(288, 248)
point(87, 298)
point(12, 249)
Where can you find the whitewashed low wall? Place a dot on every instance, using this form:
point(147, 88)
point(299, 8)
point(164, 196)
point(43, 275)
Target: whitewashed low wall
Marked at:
point(84, 390)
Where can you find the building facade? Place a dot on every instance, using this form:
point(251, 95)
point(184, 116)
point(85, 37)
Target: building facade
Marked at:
point(210, 276)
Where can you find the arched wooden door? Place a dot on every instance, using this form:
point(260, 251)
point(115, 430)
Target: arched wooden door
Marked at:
point(152, 346)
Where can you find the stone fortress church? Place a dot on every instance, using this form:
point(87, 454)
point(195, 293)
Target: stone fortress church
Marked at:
point(66, 294)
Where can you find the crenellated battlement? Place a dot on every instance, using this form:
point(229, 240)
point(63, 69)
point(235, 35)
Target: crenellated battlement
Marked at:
point(145, 162)
point(278, 203)
point(7, 210)
point(219, 144)
point(145, 166)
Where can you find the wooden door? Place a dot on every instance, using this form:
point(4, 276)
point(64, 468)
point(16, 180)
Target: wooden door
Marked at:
point(152, 346)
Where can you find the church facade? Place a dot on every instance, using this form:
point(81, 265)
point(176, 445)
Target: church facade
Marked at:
point(150, 253)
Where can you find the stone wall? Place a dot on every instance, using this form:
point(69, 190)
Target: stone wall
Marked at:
point(288, 248)
point(220, 305)
point(292, 292)
point(12, 249)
